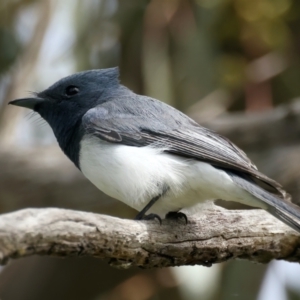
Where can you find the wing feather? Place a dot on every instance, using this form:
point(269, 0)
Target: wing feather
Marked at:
point(188, 139)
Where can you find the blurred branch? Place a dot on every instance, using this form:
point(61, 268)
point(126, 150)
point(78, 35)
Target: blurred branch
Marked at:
point(274, 128)
point(20, 79)
point(266, 67)
point(41, 177)
point(215, 236)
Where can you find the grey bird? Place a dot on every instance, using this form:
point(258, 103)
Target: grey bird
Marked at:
point(149, 155)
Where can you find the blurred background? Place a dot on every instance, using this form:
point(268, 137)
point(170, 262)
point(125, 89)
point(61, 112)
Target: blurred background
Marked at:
point(232, 65)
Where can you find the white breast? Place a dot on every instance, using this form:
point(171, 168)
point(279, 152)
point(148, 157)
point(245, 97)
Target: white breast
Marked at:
point(134, 175)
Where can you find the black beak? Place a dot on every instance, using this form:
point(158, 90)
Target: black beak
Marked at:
point(27, 102)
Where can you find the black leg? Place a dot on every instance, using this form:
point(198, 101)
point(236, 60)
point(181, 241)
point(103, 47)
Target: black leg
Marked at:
point(141, 215)
point(175, 215)
point(151, 217)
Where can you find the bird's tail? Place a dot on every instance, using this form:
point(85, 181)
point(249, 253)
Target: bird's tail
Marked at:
point(286, 211)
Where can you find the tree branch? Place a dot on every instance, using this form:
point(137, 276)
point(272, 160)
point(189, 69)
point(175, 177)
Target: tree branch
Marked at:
point(214, 236)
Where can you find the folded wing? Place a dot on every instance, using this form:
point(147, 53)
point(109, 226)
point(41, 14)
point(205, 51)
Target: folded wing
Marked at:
point(177, 134)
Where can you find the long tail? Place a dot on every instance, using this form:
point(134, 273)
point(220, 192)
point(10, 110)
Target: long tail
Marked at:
point(283, 210)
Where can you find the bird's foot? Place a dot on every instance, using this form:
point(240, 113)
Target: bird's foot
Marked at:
point(174, 215)
point(148, 217)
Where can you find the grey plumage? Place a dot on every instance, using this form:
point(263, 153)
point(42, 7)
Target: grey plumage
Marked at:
point(282, 209)
point(144, 121)
point(92, 109)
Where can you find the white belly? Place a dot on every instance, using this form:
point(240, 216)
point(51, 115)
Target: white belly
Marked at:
point(134, 175)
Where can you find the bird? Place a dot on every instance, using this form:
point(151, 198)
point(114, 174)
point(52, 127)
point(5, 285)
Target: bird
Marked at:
point(148, 154)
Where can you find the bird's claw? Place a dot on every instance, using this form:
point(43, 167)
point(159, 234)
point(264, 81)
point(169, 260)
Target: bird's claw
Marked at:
point(149, 217)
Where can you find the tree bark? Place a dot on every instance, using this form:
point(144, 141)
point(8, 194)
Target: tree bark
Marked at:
point(215, 236)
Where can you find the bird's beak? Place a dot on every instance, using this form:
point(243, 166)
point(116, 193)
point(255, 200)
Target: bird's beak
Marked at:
point(27, 102)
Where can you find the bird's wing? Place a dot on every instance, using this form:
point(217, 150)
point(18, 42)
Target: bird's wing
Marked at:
point(188, 140)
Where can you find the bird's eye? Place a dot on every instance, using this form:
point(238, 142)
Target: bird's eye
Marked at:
point(72, 90)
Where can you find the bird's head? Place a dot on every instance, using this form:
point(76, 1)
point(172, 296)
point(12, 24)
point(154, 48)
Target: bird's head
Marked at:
point(70, 98)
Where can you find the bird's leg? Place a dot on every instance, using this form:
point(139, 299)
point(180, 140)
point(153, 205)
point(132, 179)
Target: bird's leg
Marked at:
point(141, 215)
point(176, 215)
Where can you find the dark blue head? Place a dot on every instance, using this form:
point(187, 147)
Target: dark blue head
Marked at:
point(64, 103)
point(71, 97)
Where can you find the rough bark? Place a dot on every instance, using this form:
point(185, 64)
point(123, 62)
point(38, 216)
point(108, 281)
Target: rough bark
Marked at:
point(214, 236)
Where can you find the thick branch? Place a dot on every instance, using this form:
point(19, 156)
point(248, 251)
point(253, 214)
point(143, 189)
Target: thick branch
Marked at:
point(215, 236)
